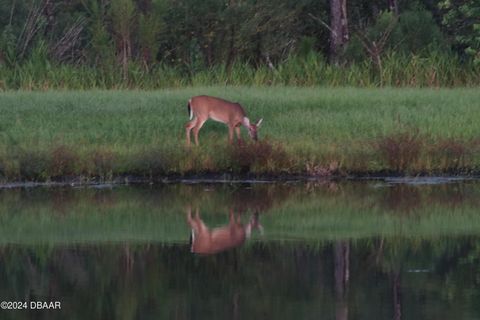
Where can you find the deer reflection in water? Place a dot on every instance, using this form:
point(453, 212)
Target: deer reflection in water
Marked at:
point(212, 241)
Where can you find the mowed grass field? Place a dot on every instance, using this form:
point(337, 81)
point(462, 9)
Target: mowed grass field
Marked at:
point(311, 131)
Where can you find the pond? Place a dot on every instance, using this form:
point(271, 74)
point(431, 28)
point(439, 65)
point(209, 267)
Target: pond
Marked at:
point(371, 249)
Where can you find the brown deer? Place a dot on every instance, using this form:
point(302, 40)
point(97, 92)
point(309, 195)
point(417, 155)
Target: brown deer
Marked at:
point(212, 241)
point(202, 108)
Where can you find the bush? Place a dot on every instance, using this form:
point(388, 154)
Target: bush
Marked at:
point(259, 157)
point(401, 150)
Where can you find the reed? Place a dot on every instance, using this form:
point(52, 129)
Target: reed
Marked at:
point(398, 70)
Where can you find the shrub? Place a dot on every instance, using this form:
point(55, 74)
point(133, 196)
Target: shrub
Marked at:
point(259, 157)
point(400, 150)
point(63, 162)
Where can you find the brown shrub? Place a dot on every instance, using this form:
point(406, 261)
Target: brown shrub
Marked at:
point(103, 161)
point(261, 157)
point(400, 150)
point(63, 162)
point(452, 153)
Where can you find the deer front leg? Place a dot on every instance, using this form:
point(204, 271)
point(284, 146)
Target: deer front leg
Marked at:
point(231, 216)
point(239, 135)
point(230, 134)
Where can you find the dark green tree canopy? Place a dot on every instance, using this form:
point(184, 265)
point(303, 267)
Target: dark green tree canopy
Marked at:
point(191, 36)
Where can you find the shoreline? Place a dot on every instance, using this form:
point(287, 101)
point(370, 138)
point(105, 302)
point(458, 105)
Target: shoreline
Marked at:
point(223, 179)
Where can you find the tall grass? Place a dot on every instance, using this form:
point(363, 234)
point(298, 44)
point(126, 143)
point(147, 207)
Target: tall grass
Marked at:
point(434, 70)
point(313, 131)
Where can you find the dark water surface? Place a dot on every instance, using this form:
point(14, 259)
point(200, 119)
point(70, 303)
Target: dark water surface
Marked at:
point(346, 250)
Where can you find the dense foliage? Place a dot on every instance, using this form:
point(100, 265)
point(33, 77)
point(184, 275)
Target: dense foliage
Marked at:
point(119, 42)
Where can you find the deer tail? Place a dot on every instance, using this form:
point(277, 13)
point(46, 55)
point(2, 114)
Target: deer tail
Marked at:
point(189, 108)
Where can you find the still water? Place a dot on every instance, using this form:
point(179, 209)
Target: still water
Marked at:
point(395, 249)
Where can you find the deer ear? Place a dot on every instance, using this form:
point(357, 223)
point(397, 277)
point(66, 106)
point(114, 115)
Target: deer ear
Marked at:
point(259, 122)
point(246, 121)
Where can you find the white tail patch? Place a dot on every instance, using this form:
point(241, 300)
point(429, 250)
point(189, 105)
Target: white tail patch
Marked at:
point(190, 112)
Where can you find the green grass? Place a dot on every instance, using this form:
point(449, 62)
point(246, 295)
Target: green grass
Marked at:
point(318, 131)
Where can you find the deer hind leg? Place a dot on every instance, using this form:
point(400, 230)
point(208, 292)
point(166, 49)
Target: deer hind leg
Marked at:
point(197, 128)
point(190, 220)
point(201, 227)
point(193, 221)
point(188, 127)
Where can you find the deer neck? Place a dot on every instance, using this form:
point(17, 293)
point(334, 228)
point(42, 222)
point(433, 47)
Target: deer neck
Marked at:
point(246, 122)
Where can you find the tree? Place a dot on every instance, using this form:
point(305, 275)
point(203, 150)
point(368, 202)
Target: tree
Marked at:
point(270, 31)
point(338, 29)
point(393, 6)
point(462, 20)
point(376, 45)
point(149, 26)
point(100, 47)
point(122, 13)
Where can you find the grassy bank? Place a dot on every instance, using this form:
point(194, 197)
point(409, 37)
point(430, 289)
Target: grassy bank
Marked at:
point(314, 131)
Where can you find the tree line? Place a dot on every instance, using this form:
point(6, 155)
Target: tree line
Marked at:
point(194, 35)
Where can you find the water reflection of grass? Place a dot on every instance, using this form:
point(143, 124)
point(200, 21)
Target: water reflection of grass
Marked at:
point(314, 131)
point(320, 221)
point(348, 210)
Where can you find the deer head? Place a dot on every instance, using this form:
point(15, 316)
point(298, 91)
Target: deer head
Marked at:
point(252, 128)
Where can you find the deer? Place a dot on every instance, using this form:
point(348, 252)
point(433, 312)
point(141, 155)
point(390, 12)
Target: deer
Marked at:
point(207, 241)
point(202, 108)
